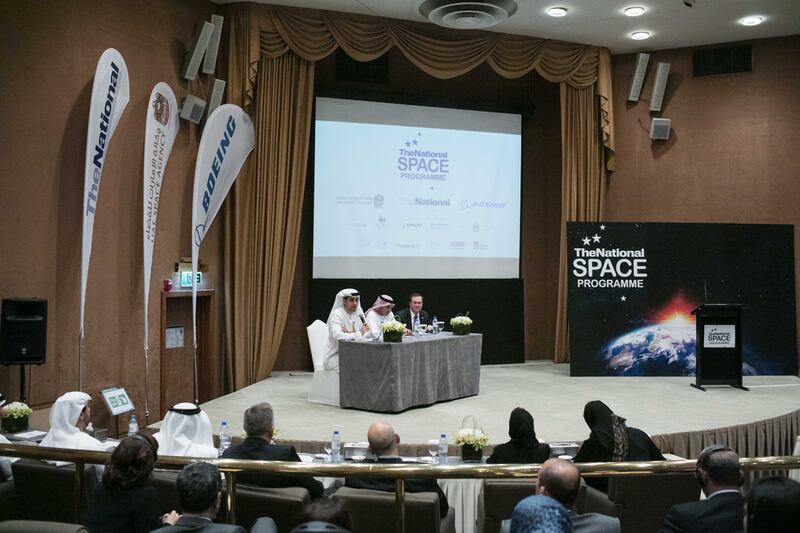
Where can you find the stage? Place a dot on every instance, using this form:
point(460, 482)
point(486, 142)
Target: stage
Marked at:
point(659, 405)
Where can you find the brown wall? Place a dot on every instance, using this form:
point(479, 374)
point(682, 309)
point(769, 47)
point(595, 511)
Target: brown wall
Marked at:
point(49, 54)
point(733, 152)
point(541, 190)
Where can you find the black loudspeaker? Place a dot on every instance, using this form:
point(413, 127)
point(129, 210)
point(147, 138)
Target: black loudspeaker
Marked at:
point(23, 331)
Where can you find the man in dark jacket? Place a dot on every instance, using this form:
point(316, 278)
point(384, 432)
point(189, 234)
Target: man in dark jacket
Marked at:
point(722, 511)
point(259, 426)
point(383, 443)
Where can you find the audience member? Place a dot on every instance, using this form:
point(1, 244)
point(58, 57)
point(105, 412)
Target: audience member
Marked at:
point(199, 491)
point(186, 432)
point(523, 446)
point(124, 501)
point(718, 473)
point(773, 506)
point(611, 440)
point(330, 511)
point(540, 514)
point(5, 462)
point(414, 315)
point(259, 425)
point(383, 444)
point(346, 321)
point(69, 416)
point(379, 313)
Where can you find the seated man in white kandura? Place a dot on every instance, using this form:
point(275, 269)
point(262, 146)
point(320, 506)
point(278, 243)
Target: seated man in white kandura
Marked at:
point(378, 314)
point(346, 321)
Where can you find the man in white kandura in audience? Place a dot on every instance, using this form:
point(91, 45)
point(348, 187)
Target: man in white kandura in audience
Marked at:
point(69, 417)
point(186, 432)
point(378, 314)
point(346, 321)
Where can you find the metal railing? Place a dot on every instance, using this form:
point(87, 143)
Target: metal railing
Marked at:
point(399, 472)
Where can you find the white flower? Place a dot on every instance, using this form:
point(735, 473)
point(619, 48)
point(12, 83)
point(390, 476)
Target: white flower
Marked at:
point(393, 326)
point(461, 320)
point(475, 437)
point(16, 410)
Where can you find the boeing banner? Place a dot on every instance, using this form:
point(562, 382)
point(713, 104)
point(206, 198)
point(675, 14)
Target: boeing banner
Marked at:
point(632, 287)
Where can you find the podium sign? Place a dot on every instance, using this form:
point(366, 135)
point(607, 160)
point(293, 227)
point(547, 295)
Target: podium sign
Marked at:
point(719, 345)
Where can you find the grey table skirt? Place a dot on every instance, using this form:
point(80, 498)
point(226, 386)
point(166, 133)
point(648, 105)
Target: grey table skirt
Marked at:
point(392, 377)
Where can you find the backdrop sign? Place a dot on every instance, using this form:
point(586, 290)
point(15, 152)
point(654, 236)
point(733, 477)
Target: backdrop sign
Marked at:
point(110, 93)
point(632, 287)
point(228, 138)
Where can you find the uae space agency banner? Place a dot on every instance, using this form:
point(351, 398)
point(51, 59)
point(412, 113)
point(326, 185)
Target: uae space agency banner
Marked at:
point(161, 128)
point(110, 94)
point(632, 287)
point(228, 138)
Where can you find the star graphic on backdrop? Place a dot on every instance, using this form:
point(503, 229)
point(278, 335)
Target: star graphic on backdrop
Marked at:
point(602, 226)
point(596, 237)
point(586, 241)
point(623, 298)
point(414, 142)
point(408, 144)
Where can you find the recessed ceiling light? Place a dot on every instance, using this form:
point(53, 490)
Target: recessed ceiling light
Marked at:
point(753, 20)
point(634, 11)
point(557, 11)
point(639, 35)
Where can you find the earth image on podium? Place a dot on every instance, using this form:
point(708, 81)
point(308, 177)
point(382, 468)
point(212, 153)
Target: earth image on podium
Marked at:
point(663, 349)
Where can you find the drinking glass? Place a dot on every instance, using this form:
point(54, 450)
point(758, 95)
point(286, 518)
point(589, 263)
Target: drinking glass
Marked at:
point(328, 450)
point(433, 448)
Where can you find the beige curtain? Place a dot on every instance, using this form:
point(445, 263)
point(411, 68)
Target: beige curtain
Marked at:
point(270, 73)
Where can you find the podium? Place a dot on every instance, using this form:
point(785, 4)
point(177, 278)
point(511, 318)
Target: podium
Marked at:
point(718, 348)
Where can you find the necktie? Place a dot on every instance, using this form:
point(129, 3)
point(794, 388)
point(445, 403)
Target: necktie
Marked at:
point(416, 321)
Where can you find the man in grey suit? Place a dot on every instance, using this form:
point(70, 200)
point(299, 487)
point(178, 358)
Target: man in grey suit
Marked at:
point(199, 494)
point(561, 480)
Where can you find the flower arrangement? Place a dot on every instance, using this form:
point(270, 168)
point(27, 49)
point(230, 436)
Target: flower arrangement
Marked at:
point(393, 331)
point(16, 410)
point(15, 417)
point(474, 437)
point(461, 324)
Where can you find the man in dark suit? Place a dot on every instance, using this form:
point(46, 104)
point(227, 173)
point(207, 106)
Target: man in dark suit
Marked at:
point(259, 426)
point(383, 443)
point(199, 494)
point(414, 315)
point(719, 474)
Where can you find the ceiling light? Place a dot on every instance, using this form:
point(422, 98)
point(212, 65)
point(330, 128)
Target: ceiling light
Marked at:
point(634, 11)
point(639, 35)
point(557, 11)
point(753, 20)
point(465, 14)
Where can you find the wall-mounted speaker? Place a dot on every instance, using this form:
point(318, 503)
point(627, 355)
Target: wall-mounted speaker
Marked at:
point(660, 128)
point(195, 56)
point(23, 331)
point(216, 96)
point(210, 62)
point(659, 86)
point(192, 109)
point(637, 80)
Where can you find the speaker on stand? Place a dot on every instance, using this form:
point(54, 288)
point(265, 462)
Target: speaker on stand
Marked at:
point(23, 334)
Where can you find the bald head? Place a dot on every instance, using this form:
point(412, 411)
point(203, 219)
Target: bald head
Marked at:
point(382, 439)
point(560, 480)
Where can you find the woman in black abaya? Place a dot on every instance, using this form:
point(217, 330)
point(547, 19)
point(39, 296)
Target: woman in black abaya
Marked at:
point(523, 446)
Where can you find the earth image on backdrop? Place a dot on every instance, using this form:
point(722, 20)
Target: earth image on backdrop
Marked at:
point(664, 349)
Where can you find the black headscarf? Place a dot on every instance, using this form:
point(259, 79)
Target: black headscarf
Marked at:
point(609, 428)
point(520, 428)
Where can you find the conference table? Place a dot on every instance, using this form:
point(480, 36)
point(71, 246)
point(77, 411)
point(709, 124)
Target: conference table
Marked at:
point(391, 377)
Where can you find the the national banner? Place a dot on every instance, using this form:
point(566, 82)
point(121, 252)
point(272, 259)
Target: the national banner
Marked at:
point(160, 131)
point(228, 138)
point(110, 93)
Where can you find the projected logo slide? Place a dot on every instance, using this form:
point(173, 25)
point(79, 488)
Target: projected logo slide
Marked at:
point(397, 191)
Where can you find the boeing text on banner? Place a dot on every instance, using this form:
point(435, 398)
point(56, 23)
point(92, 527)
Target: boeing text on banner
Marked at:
point(228, 139)
point(110, 94)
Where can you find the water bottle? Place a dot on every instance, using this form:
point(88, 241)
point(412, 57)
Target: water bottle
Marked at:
point(435, 325)
point(443, 449)
point(133, 426)
point(335, 455)
point(224, 437)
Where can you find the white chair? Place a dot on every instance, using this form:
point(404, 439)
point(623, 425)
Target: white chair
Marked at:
point(325, 383)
